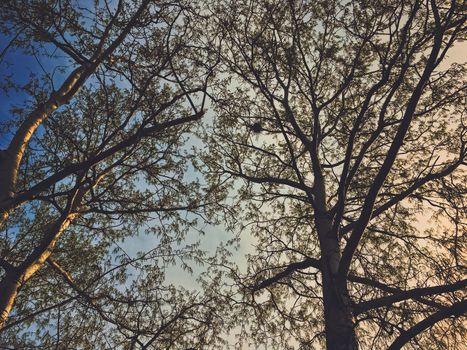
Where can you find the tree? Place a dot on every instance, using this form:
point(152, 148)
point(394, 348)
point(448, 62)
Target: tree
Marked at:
point(337, 123)
point(345, 135)
point(95, 155)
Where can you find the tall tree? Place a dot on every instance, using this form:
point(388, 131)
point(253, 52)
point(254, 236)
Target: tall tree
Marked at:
point(94, 156)
point(345, 135)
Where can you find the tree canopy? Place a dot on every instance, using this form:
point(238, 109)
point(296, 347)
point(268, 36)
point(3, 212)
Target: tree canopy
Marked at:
point(328, 135)
point(95, 157)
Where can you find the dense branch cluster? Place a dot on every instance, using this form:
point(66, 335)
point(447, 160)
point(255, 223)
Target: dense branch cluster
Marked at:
point(95, 157)
point(330, 136)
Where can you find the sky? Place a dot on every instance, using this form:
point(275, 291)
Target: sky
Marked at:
point(21, 67)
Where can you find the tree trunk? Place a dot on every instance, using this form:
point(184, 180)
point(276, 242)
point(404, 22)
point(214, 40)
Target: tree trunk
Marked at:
point(339, 324)
point(18, 276)
point(9, 286)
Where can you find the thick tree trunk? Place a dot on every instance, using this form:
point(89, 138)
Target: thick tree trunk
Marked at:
point(339, 324)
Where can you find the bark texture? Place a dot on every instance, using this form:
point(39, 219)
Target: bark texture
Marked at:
point(339, 324)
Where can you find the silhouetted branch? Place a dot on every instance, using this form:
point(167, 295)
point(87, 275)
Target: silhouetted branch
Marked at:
point(456, 309)
point(408, 294)
point(291, 268)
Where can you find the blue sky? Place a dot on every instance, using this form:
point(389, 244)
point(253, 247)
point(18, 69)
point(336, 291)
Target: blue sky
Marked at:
point(20, 67)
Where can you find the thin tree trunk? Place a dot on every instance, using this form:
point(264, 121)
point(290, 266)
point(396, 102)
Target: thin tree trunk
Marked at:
point(13, 280)
point(16, 277)
point(11, 158)
point(9, 286)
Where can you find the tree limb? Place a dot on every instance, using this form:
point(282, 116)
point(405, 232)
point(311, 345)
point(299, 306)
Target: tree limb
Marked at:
point(456, 309)
point(408, 294)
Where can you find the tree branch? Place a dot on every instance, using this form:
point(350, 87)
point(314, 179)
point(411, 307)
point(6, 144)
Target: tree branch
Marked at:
point(408, 294)
point(456, 309)
point(390, 289)
point(396, 144)
point(291, 268)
